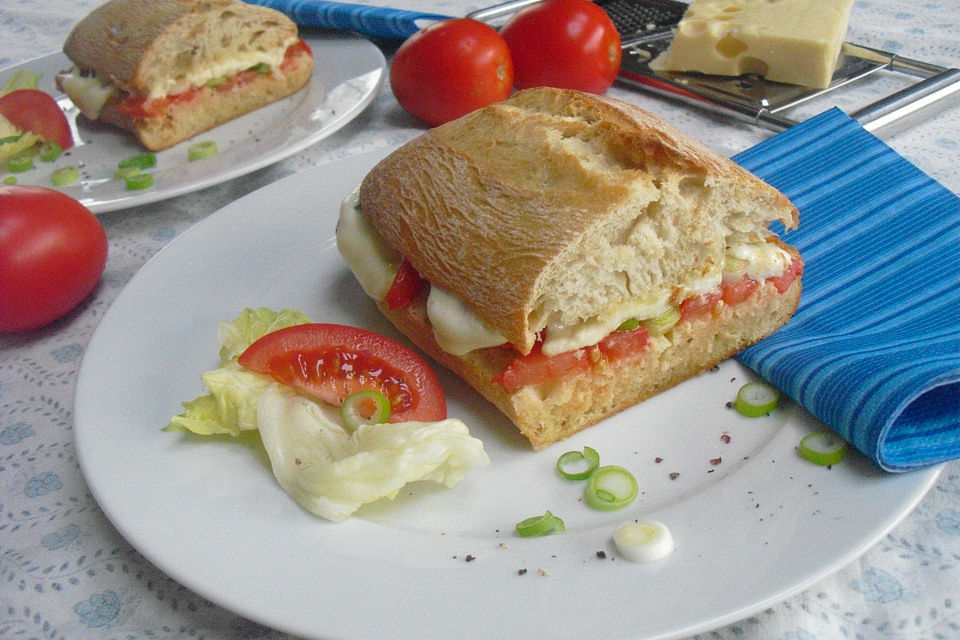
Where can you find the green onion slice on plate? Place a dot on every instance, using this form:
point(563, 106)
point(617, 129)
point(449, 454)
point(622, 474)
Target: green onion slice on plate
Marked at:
point(64, 176)
point(201, 150)
point(49, 151)
point(367, 406)
point(578, 465)
point(21, 162)
point(139, 181)
point(610, 488)
point(823, 447)
point(140, 161)
point(540, 526)
point(756, 399)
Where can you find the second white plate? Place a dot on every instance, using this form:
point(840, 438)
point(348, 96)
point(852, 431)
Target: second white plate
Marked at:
point(347, 74)
point(753, 522)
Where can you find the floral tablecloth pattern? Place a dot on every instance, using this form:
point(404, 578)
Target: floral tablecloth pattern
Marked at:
point(65, 572)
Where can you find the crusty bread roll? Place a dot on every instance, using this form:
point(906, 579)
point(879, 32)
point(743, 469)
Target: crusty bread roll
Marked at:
point(170, 69)
point(558, 210)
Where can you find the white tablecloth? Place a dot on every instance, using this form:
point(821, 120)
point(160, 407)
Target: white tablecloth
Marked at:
point(65, 572)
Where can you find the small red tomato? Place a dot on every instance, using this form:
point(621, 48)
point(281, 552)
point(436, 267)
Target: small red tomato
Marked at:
point(52, 253)
point(35, 111)
point(569, 44)
point(451, 68)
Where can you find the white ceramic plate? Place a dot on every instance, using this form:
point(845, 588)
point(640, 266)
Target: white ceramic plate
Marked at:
point(753, 523)
point(347, 74)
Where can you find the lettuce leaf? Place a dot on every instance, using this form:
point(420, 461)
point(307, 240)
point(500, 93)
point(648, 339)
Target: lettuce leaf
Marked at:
point(230, 406)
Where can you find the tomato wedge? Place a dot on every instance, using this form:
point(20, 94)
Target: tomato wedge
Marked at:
point(406, 286)
point(35, 111)
point(331, 361)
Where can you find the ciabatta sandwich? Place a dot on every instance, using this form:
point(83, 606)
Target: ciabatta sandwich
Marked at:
point(170, 69)
point(570, 256)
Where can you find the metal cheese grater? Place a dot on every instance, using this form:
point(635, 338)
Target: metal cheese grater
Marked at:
point(646, 30)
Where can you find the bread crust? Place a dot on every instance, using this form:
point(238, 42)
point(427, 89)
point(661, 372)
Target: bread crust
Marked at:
point(500, 206)
point(547, 413)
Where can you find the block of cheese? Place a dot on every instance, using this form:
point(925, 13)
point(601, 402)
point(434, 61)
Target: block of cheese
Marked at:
point(791, 41)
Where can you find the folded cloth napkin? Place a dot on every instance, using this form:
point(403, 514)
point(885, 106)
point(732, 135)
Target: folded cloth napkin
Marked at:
point(379, 22)
point(874, 348)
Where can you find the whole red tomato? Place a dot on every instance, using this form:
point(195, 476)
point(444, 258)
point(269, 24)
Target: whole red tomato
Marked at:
point(449, 69)
point(569, 44)
point(52, 253)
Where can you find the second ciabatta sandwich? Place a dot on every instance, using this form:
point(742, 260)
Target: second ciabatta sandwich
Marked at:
point(570, 255)
point(170, 69)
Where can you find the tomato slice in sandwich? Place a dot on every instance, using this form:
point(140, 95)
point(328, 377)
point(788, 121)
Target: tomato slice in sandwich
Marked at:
point(331, 361)
point(35, 111)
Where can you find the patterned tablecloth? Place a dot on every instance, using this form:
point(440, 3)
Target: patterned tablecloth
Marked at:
point(65, 572)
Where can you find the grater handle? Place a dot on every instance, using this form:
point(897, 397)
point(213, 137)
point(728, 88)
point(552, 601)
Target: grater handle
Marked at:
point(903, 108)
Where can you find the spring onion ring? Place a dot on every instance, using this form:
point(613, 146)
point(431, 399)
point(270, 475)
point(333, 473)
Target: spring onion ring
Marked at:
point(125, 172)
point(22, 79)
point(9, 139)
point(610, 488)
point(21, 162)
point(139, 181)
point(10, 180)
point(49, 151)
point(629, 324)
point(756, 399)
point(367, 406)
point(578, 465)
point(823, 447)
point(663, 322)
point(140, 161)
point(201, 150)
point(643, 541)
point(64, 176)
point(540, 526)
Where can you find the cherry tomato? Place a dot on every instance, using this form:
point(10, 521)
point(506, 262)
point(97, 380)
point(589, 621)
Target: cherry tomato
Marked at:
point(331, 361)
point(449, 69)
point(35, 111)
point(52, 253)
point(569, 44)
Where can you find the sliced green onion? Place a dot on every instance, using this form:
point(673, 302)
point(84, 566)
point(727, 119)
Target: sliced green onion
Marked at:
point(578, 465)
point(64, 176)
point(216, 82)
point(140, 160)
point(125, 172)
point(629, 324)
point(733, 267)
point(201, 150)
point(756, 399)
point(663, 322)
point(21, 162)
point(367, 406)
point(139, 181)
point(9, 139)
point(22, 79)
point(49, 151)
point(823, 447)
point(610, 488)
point(261, 67)
point(540, 526)
point(643, 541)
point(10, 180)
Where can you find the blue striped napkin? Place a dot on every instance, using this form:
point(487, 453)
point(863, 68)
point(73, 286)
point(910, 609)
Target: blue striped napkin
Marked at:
point(874, 348)
point(379, 22)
